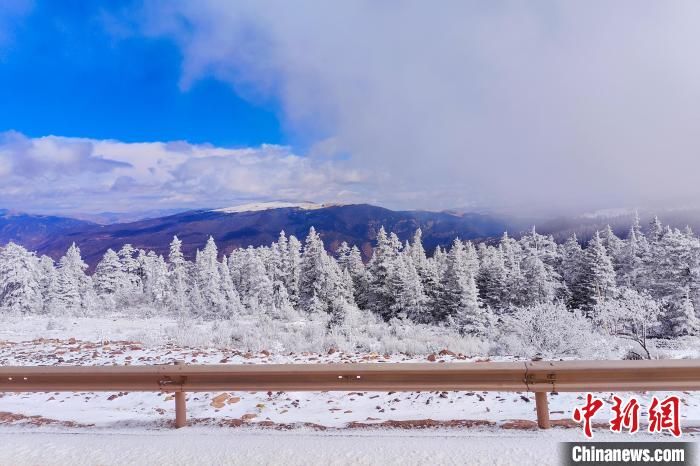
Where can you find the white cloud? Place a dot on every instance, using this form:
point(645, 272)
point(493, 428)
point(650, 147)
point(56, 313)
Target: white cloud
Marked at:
point(536, 103)
point(57, 174)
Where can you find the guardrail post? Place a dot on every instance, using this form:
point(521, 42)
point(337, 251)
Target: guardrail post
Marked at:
point(180, 406)
point(542, 407)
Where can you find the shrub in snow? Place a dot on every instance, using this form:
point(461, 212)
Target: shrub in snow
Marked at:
point(550, 330)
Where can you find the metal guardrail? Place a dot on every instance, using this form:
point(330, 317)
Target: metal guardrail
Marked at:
point(539, 377)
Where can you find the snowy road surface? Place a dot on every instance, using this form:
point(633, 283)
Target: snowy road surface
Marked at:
point(256, 447)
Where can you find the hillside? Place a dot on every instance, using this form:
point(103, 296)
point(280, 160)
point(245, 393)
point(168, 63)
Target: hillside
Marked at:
point(240, 227)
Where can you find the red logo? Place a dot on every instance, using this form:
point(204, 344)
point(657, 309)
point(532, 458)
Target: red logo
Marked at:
point(665, 415)
point(662, 414)
point(585, 413)
point(625, 417)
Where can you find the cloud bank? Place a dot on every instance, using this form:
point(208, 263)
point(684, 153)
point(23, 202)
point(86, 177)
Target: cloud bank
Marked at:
point(549, 104)
point(66, 175)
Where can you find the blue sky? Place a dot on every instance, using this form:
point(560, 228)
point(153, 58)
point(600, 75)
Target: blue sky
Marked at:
point(68, 72)
point(159, 104)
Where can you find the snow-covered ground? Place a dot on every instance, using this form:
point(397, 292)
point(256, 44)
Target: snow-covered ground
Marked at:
point(279, 427)
point(300, 447)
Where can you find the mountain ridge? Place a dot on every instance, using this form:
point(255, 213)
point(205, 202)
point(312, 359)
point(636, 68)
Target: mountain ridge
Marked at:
point(355, 223)
point(260, 223)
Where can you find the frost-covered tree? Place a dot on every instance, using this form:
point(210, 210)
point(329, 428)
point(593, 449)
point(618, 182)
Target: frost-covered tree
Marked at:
point(514, 281)
point(323, 287)
point(406, 287)
point(109, 278)
point(491, 280)
point(541, 285)
point(630, 260)
point(178, 272)
point(571, 271)
point(156, 284)
point(656, 230)
point(549, 330)
point(130, 266)
point(631, 315)
point(20, 280)
point(256, 288)
point(632, 288)
point(613, 245)
point(382, 268)
point(228, 290)
point(294, 269)
point(598, 279)
point(680, 317)
point(350, 261)
point(47, 280)
point(73, 289)
point(460, 300)
point(209, 280)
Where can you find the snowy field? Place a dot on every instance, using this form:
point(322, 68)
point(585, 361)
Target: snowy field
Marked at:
point(299, 447)
point(266, 427)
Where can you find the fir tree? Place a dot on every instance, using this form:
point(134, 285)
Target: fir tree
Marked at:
point(598, 278)
point(20, 280)
point(109, 278)
point(460, 294)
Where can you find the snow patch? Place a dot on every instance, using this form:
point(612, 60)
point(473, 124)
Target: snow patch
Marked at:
point(608, 213)
point(258, 206)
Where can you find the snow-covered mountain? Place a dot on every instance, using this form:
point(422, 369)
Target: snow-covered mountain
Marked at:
point(252, 225)
point(258, 206)
point(260, 223)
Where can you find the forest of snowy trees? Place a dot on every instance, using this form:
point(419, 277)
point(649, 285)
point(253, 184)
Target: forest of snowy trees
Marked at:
point(533, 290)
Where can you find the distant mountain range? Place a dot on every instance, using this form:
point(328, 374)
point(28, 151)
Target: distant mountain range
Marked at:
point(260, 224)
point(241, 226)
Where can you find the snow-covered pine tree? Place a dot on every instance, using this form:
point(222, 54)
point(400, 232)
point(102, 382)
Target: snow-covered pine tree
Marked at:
point(47, 280)
point(156, 283)
point(109, 278)
point(656, 230)
point(257, 292)
point(514, 280)
point(209, 280)
point(427, 269)
point(460, 301)
point(544, 247)
point(278, 271)
point(598, 278)
point(630, 262)
point(228, 290)
point(20, 280)
point(130, 266)
point(281, 258)
point(381, 267)
point(417, 251)
point(73, 290)
point(679, 316)
point(571, 271)
point(311, 274)
point(178, 272)
point(293, 269)
point(491, 280)
point(540, 286)
point(322, 286)
point(350, 261)
point(613, 245)
point(440, 260)
point(406, 287)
